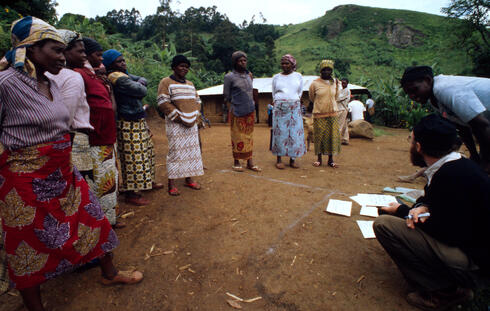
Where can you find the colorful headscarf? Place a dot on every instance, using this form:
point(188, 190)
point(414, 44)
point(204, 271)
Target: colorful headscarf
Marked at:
point(24, 33)
point(236, 56)
point(291, 59)
point(69, 36)
point(109, 56)
point(326, 63)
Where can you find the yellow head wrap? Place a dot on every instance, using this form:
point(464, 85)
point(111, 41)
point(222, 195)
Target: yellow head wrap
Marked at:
point(326, 63)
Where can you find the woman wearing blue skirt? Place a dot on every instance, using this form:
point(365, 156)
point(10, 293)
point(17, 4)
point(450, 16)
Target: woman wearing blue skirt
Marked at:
point(287, 123)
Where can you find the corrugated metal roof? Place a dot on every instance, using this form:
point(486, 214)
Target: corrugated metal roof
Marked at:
point(264, 85)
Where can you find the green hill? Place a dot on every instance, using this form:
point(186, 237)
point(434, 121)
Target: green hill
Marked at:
point(375, 42)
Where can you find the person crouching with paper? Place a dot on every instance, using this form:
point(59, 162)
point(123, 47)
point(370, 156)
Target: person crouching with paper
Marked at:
point(446, 253)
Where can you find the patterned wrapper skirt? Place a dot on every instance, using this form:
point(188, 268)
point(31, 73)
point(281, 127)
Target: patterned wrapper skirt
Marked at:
point(80, 152)
point(184, 154)
point(326, 135)
point(288, 137)
point(242, 130)
point(136, 154)
point(52, 221)
point(4, 279)
point(104, 182)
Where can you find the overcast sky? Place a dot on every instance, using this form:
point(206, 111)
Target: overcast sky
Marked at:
point(275, 11)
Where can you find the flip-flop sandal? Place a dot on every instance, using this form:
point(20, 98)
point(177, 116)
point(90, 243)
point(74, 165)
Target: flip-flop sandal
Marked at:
point(124, 277)
point(174, 191)
point(193, 185)
point(237, 168)
point(294, 165)
point(332, 164)
point(317, 164)
point(254, 168)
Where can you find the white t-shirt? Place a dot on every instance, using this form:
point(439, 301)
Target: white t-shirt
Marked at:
point(356, 109)
point(287, 87)
point(461, 99)
point(369, 103)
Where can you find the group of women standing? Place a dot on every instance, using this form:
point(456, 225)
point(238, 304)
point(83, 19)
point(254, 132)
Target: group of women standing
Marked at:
point(52, 221)
point(287, 125)
point(62, 110)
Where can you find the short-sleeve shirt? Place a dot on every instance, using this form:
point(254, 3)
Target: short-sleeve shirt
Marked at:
point(287, 87)
point(461, 99)
point(356, 108)
point(27, 117)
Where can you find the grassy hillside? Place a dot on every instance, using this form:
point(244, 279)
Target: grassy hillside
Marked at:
point(361, 37)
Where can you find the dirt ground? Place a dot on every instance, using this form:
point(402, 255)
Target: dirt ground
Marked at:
point(251, 234)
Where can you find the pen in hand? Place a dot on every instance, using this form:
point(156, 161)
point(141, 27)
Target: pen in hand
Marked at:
point(420, 216)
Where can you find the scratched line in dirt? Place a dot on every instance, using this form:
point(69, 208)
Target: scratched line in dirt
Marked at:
point(293, 224)
point(276, 180)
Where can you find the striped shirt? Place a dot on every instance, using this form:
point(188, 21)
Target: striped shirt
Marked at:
point(179, 101)
point(27, 117)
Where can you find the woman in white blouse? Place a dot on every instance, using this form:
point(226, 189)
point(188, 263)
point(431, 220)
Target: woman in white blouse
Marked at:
point(287, 123)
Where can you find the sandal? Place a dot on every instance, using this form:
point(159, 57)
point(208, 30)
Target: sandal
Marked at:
point(173, 191)
point(280, 165)
point(317, 164)
point(332, 164)
point(124, 277)
point(254, 168)
point(193, 185)
point(238, 168)
point(293, 164)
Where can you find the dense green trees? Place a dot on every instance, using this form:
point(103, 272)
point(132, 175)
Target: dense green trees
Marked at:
point(477, 14)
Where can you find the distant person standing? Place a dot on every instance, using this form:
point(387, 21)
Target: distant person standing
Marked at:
point(465, 101)
point(288, 137)
point(343, 105)
point(238, 91)
point(356, 110)
point(323, 93)
point(370, 108)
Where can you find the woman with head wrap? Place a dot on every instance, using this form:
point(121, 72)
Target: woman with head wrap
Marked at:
point(287, 125)
point(72, 90)
point(52, 222)
point(238, 90)
point(324, 94)
point(179, 103)
point(95, 151)
point(134, 143)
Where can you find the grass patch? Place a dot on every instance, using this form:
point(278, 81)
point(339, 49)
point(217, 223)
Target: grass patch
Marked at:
point(380, 132)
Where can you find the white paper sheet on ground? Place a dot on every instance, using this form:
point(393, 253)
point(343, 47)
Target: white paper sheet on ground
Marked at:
point(358, 199)
point(375, 199)
point(339, 207)
point(371, 211)
point(366, 227)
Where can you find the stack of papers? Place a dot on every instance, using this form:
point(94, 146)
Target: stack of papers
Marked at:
point(339, 207)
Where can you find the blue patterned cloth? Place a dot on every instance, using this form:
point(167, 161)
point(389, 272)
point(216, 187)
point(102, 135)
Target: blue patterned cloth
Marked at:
point(288, 137)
